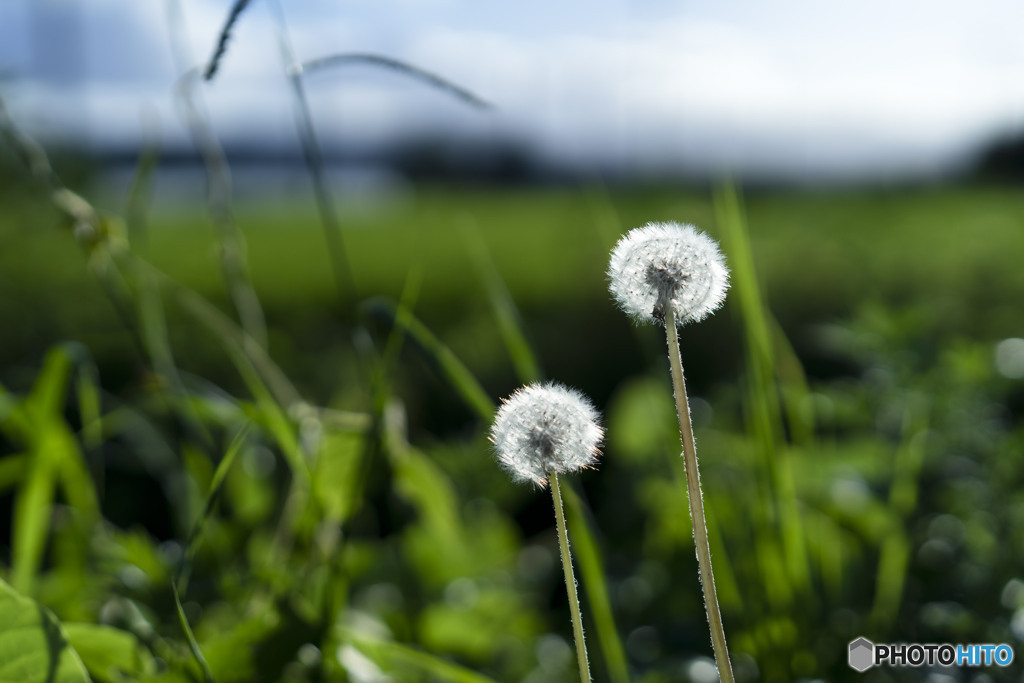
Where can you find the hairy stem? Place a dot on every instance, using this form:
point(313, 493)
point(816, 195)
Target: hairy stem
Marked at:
point(570, 580)
point(700, 529)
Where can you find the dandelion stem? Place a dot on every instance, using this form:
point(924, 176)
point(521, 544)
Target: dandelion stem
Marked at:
point(570, 580)
point(700, 530)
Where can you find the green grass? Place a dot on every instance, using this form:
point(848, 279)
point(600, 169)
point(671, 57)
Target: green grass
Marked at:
point(819, 256)
point(372, 522)
point(850, 244)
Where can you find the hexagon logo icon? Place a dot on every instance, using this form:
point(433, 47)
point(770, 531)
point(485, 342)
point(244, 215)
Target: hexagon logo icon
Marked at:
point(862, 654)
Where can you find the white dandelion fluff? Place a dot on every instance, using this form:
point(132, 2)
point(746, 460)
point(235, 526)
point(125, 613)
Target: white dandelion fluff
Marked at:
point(664, 266)
point(544, 428)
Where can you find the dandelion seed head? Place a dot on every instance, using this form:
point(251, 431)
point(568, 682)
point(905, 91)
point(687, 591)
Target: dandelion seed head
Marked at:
point(664, 266)
point(544, 428)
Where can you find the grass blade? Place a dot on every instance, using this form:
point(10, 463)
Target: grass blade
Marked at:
point(73, 473)
point(153, 323)
point(795, 390)
point(236, 341)
point(222, 41)
point(141, 189)
point(273, 418)
point(400, 67)
point(32, 506)
point(393, 345)
point(88, 393)
point(588, 558)
point(894, 557)
point(50, 388)
point(510, 324)
point(453, 370)
point(390, 656)
point(766, 424)
point(268, 384)
point(31, 519)
point(231, 246)
point(192, 643)
point(212, 496)
point(313, 156)
point(725, 575)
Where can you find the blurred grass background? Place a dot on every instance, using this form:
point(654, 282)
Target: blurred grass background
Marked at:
point(819, 255)
point(860, 444)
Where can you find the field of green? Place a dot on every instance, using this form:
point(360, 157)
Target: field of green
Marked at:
point(325, 502)
point(821, 257)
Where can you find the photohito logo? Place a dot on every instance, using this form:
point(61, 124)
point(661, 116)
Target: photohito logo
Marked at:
point(864, 654)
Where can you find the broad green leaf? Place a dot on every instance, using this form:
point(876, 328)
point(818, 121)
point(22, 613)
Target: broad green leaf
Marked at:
point(479, 622)
point(337, 476)
point(110, 654)
point(438, 540)
point(33, 646)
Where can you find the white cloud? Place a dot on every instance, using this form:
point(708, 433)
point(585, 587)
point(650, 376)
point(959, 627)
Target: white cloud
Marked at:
point(735, 82)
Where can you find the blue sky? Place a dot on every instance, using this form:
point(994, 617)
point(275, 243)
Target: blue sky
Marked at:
point(801, 86)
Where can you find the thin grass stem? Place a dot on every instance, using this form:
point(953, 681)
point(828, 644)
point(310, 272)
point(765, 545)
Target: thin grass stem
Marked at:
point(570, 580)
point(230, 241)
point(700, 529)
point(222, 41)
point(193, 644)
point(314, 159)
point(432, 80)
